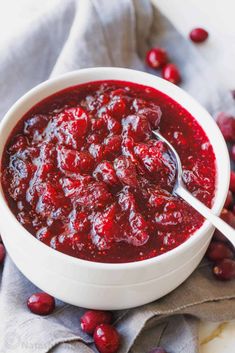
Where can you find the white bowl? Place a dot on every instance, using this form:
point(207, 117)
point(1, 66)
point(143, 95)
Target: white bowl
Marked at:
point(101, 285)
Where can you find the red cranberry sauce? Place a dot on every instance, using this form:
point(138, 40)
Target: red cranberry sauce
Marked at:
point(82, 172)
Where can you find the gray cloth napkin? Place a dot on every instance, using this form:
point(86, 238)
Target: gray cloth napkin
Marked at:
point(75, 34)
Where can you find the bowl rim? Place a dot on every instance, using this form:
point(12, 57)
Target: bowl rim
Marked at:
point(137, 76)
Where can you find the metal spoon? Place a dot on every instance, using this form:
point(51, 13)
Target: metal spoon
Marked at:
point(181, 191)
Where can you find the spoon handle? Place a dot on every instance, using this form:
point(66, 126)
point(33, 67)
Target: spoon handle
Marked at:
point(206, 212)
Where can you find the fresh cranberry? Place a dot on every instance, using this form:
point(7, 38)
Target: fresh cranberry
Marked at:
point(229, 218)
point(2, 253)
point(224, 270)
point(41, 303)
point(226, 124)
point(156, 57)
point(229, 200)
point(218, 251)
point(233, 153)
point(92, 318)
point(232, 181)
point(198, 35)
point(105, 227)
point(170, 72)
point(158, 350)
point(106, 338)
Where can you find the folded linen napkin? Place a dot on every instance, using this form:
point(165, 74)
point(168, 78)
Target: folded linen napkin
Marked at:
point(73, 34)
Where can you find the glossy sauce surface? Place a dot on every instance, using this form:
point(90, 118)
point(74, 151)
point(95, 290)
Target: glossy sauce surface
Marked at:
point(82, 172)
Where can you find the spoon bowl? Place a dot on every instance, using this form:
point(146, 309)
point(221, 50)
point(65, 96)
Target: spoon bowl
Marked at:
point(181, 190)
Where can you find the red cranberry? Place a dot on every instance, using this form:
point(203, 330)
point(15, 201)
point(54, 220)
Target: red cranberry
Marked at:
point(218, 251)
point(170, 72)
point(105, 172)
point(158, 350)
point(226, 124)
point(126, 171)
point(225, 270)
point(92, 318)
point(2, 253)
point(198, 35)
point(232, 181)
point(229, 218)
point(233, 153)
point(41, 303)
point(229, 200)
point(156, 57)
point(106, 338)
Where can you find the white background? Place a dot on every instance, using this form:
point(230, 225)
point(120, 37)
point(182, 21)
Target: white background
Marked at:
point(218, 17)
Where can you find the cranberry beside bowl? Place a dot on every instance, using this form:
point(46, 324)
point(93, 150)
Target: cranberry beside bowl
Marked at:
point(106, 232)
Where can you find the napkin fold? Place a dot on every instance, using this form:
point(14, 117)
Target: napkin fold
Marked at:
point(73, 34)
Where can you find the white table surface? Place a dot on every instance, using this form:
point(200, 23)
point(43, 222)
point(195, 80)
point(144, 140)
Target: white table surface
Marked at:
point(218, 17)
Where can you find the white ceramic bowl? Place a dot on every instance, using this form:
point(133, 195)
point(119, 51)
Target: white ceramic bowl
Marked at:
point(101, 285)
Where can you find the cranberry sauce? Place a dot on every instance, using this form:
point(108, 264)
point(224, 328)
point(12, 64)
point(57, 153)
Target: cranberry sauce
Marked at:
point(82, 172)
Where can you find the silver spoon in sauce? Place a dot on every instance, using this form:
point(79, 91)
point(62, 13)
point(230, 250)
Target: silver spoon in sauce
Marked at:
point(180, 190)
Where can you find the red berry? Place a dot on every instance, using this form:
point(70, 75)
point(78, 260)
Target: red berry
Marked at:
point(92, 318)
point(156, 57)
point(225, 270)
point(2, 253)
point(232, 182)
point(229, 200)
point(233, 153)
point(170, 72)
point(106, 173)
point(106, 338)
point(198, 35)
point(41, 303)
point(126, 171)
point(218, 251)
point(229, 218)
point(226, 124)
